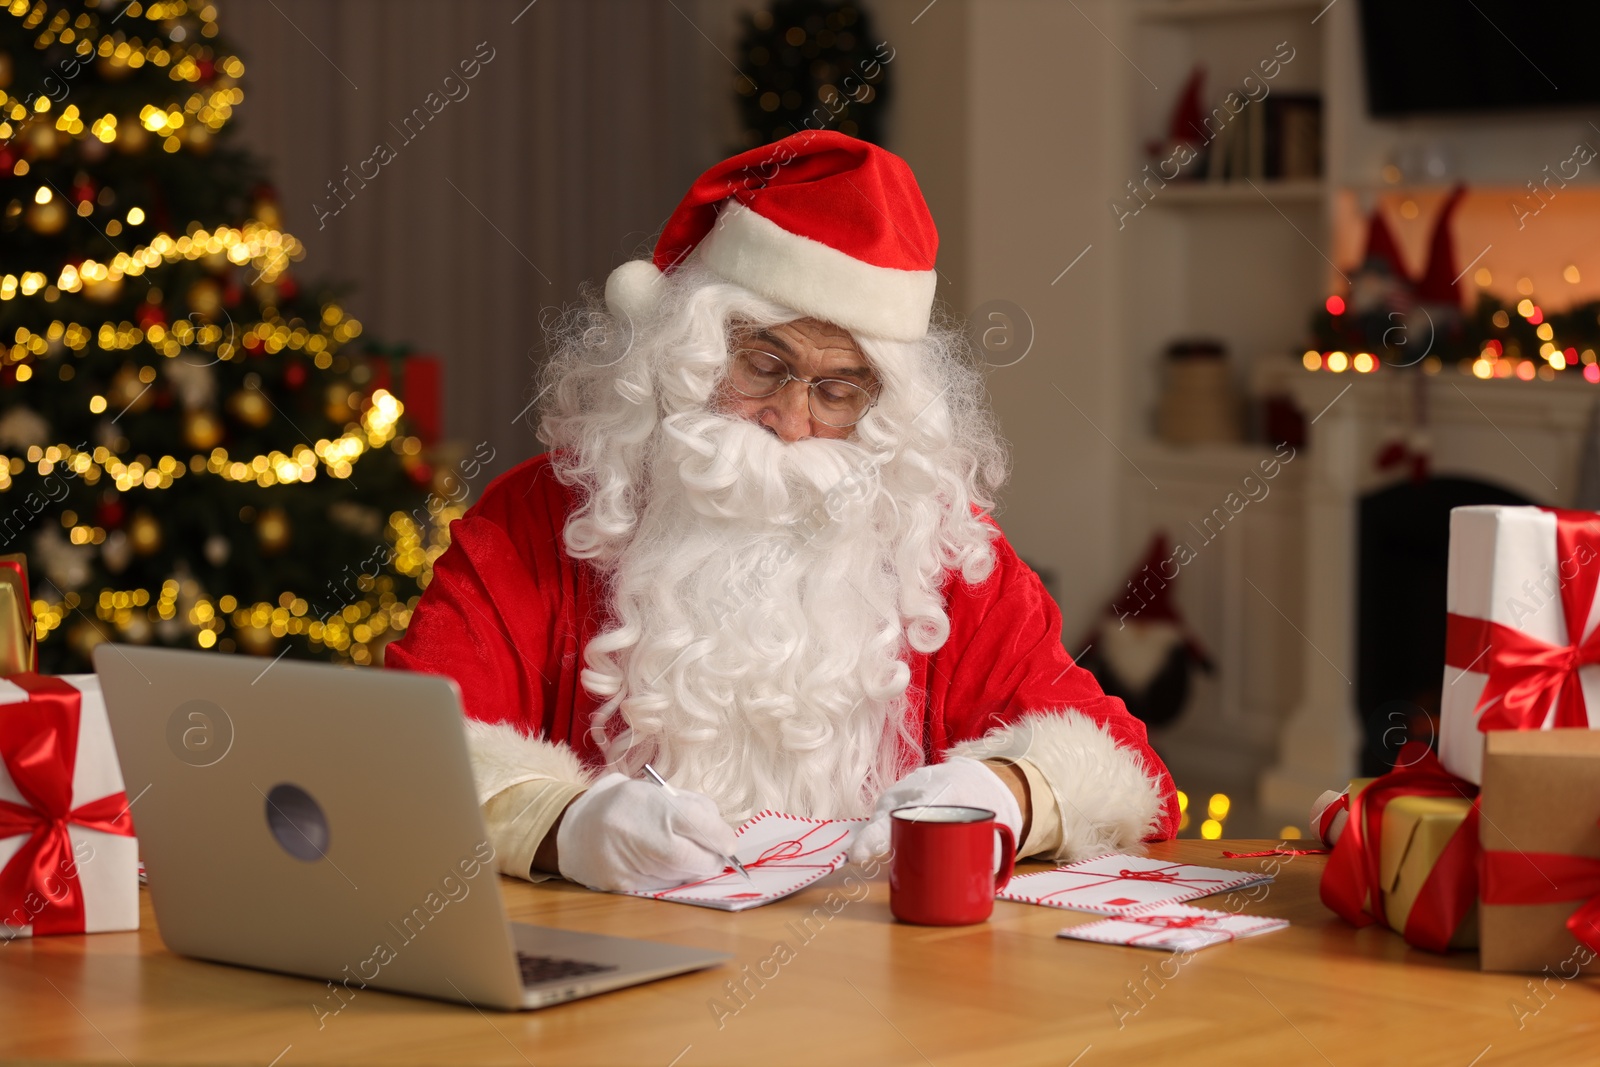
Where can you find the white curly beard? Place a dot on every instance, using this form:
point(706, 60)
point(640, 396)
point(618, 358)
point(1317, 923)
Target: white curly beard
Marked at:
point(756, 638)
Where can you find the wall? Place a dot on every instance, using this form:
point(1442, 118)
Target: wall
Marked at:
point(1040, 160)
point(569, 151)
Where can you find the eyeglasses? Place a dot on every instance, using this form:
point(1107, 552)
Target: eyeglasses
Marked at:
point(832, 401)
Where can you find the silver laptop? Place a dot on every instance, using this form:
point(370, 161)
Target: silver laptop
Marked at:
point(322, 821)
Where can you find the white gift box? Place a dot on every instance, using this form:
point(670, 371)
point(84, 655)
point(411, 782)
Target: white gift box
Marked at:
point(1506, 568)
point(104, 866)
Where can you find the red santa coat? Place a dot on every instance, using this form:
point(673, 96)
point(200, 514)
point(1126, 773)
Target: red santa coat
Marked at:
point(509, 612)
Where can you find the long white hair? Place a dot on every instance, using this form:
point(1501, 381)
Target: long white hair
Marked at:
point(762, 595)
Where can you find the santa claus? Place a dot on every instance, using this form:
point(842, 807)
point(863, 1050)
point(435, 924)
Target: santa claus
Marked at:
point(759, 556)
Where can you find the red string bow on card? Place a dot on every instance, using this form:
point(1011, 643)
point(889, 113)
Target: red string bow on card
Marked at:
point(1547, 878)
point(39, 744)
point(1527, 675)
point(1351, 885)
point(1174, 922)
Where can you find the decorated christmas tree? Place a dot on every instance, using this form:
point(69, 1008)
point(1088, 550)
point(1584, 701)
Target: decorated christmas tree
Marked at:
point(194, 451)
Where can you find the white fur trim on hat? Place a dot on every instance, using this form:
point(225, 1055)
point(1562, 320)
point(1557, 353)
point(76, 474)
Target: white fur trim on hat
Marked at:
point(503, 756)
point(1108, 801)
point(750, 250)
point(633, 289)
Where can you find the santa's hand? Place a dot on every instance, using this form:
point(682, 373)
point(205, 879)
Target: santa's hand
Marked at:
point(957, 781)
point(626, 833)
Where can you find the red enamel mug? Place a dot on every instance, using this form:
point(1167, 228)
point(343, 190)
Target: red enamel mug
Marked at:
point(942, 869)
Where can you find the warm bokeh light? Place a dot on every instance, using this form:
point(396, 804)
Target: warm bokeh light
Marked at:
point(1312, 360)
point(1218, 806)
point(1211, 829)
point(1363, 363)
point(1525, 370)
point(1482, 368)
point(1483, 278)
point(1183, 801)
point(1335, 305)
point(1591, 373)
point(1289, 833)
point(1525, 286)
point(1337, 362)
point(1525, 308)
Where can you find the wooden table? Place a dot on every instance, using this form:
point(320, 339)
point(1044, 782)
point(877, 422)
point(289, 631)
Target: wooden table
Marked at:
point(851, 987)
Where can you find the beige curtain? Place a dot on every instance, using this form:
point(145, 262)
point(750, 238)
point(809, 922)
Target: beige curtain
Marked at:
point(585, 122)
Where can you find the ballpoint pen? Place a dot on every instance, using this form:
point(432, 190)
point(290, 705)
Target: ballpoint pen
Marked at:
point(732, 861)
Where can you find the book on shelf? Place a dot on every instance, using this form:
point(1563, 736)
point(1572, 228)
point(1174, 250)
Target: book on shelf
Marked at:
point(1278, 138)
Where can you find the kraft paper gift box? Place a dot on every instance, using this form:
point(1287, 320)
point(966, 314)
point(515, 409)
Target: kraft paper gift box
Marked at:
point(68, 859)
point(1522, 651)
point(1540, 831)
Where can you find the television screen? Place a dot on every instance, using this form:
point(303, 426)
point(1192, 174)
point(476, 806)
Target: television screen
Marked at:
point(1479, 55)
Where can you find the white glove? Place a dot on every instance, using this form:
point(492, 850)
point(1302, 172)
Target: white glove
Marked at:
point(629, 834)
point(957, 781)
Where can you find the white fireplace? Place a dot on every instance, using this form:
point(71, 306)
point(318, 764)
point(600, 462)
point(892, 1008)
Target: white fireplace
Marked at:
point(1523, 436)
point(1273, 597)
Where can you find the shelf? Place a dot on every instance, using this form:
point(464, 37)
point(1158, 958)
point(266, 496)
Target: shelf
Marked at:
point(1196, 10)
point(1231, 193)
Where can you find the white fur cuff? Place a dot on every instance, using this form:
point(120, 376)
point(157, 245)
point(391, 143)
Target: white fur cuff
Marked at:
point(1108, 801)
point(503, 756)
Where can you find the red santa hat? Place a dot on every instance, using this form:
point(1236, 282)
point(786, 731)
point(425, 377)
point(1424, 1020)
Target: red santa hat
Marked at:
point(828, 225)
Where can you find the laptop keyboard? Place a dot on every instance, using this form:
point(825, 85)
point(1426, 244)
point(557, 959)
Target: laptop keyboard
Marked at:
point(537, 969)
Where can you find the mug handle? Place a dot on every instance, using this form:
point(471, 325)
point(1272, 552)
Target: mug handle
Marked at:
point(1008, 855)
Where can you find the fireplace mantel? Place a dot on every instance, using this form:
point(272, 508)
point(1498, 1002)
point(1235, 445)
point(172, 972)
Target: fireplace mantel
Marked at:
point(1523, 436)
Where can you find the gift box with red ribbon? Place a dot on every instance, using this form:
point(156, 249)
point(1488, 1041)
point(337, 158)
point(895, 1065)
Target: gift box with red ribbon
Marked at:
point(68, 858)
point(1407, 854)
point(1522, 650)
point(1540, 834)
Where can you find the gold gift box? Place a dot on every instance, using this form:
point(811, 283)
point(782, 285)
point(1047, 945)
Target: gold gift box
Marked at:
point(16, 616)
point(1415, 832)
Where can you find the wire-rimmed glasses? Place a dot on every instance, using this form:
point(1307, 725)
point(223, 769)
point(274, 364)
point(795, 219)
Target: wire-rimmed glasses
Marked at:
point(832, 401)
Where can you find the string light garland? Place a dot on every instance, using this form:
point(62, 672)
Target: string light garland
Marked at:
point(348, 632)
point(267, 250)
point(300, 464)
point(229, 342)
point(1521, 342)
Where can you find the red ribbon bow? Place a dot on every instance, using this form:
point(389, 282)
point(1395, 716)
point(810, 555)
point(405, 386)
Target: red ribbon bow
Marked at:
point(1167, 875)
point(1351, 886)
point(1527, 675)
point(39, 744)
point(1174, 922)
point(1547, 878)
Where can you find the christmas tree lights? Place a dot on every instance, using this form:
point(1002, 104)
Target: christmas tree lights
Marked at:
point(191, 451)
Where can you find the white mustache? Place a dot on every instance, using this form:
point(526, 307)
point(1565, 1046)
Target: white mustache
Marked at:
point(736, 469)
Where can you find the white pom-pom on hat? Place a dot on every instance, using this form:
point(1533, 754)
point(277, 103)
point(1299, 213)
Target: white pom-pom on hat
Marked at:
point(633, 289)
